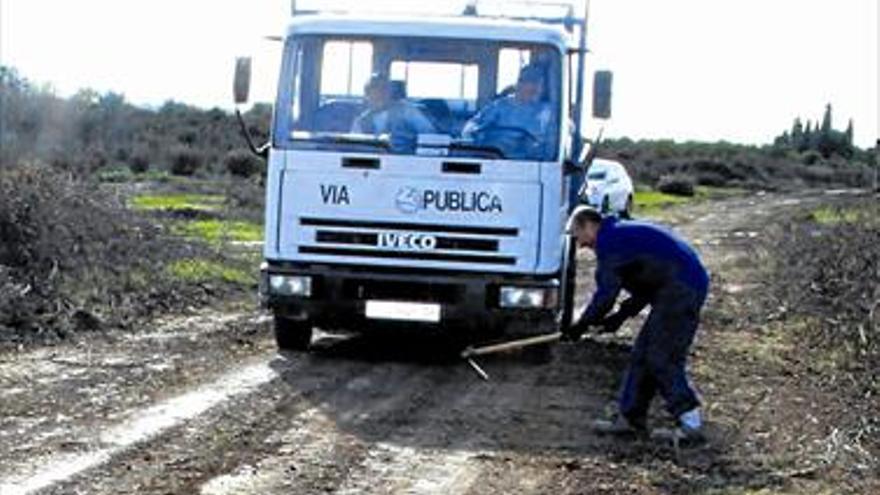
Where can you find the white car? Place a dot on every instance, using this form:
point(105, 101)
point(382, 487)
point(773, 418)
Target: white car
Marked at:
point(608, 188)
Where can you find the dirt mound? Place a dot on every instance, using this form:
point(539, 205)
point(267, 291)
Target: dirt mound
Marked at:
point(72, 257)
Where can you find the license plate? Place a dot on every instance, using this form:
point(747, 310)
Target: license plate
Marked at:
point(405, 311)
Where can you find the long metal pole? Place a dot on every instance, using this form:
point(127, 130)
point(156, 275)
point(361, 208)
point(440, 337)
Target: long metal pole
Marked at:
point(509, 346)
point(579, 93)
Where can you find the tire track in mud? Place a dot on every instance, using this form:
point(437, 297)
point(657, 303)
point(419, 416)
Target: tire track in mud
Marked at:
point(140, 428)
point(304, 429)
point(411, 429)
point(49, 395)
point(59, 403)
point(334, 438)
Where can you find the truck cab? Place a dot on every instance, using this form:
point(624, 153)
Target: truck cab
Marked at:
point(420, 173)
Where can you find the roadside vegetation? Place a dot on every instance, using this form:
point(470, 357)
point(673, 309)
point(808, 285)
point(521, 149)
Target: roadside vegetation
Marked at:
point(826, 276)
point(817, 156)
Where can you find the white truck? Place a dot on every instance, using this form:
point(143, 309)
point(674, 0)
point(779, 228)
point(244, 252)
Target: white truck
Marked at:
point(458, 232)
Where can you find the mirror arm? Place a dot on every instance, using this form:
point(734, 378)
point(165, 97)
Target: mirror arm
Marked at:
point(262, 151)
point(569, 167)
point(594, 150)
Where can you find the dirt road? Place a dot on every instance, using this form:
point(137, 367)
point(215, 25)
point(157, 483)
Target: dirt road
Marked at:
point(203, 404)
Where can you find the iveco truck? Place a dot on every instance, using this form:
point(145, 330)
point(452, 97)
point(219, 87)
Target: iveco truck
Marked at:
point(441, 227)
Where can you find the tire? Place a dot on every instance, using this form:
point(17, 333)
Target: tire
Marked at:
point(569, 279)
point(292, 335)
point(628, 209)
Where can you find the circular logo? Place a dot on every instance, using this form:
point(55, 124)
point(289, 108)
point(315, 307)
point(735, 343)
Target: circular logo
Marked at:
point(408, 200)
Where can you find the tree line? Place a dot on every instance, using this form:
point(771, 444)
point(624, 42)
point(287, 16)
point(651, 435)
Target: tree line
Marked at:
point(91, 132)
point(821, 138)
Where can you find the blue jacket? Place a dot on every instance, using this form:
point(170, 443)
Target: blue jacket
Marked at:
point(644, 259)
point(505, 116)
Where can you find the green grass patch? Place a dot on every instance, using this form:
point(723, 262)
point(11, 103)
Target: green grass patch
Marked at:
point(216, 231)
point(647, 202)
point(199, 270)
point(827, 215)
point(205, 202)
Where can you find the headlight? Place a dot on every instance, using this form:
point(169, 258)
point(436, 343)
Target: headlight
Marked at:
point(290, 285)
point(526, 297)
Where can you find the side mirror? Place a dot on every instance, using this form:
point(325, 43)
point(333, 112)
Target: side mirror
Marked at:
point(602, 94)
point(242, 85)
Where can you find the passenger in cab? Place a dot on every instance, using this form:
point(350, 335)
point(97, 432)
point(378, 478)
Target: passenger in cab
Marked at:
point(389, 112)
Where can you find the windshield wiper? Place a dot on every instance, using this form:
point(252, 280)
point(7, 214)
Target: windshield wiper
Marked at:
point(483, 148)
point(375, 141)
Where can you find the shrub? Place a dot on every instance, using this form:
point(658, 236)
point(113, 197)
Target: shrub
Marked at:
point(819, 175)
point(678, 185)
point(185, 161)
point(811, 158)
point(711, 179)
point(71, 251)
point(718, 168)
point(825, 273)
point(241, 163)
point(116, 174)
point(139, 162)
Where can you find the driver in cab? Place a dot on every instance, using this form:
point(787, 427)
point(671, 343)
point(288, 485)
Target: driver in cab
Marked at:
point(520, 125)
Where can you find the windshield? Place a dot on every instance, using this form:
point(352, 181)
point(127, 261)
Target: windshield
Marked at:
point(424, 96)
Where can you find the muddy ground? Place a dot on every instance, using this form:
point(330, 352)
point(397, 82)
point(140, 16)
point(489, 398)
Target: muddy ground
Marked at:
point(202, 403)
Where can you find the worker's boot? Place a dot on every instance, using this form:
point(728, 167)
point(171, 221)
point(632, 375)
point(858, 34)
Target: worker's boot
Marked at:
point(679, 436)
point(688, 431)
point(618, 425)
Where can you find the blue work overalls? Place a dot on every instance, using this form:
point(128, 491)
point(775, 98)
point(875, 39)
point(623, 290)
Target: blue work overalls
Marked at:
point(657, 268)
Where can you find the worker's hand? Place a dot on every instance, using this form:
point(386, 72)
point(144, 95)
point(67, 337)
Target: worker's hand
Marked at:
point(573, 333)
point(612, 322)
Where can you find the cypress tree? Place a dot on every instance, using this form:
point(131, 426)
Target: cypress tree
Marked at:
point(797, 134)
point(807, 141)
point(826, 134)
point(826, 120)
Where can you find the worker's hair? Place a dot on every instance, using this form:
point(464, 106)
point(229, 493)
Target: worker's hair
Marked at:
point(583, 215)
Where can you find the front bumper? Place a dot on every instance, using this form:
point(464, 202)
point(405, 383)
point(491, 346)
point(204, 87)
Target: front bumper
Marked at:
point(338, 296)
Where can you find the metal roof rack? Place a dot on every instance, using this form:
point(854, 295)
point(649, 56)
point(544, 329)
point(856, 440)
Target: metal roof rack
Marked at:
point(557, 13)
point(495, 9)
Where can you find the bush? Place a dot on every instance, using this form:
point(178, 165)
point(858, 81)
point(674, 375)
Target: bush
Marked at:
point(825, 272)
point(811, 158)
point(116, 174)
point(139, 162)
point(241, 163)
point(677, 185)
point(185, 161)
point(711, 179)
point(70, 252)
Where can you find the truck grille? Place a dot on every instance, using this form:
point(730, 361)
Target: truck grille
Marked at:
point(414, 227)
point(450, 243)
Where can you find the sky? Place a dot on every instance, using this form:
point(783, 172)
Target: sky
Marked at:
point(708, 70)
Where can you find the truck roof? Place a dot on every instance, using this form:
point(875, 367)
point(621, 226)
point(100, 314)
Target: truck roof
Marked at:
point(462, 27)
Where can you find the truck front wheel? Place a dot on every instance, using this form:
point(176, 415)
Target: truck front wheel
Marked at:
point(570, 281)
point(292, 335)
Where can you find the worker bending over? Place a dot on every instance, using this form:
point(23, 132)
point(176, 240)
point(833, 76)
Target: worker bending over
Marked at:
point(658, 269)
